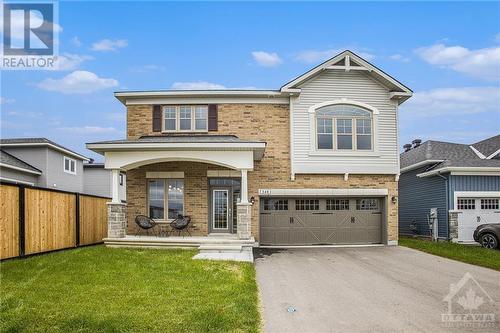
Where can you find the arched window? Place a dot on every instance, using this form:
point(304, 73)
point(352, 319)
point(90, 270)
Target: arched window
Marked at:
point(344, 127)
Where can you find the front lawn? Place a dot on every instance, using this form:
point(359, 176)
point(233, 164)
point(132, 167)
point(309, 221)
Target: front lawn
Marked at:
point(98, 289)
point(474, 255)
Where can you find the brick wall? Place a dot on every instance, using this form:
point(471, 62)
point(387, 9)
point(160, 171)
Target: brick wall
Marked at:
point(264, 122)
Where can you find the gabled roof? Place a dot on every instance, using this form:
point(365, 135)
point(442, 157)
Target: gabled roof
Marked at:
point(348, 61)
point(489, 148)
point(438, 155)
point(36, 142)
point(11, 162)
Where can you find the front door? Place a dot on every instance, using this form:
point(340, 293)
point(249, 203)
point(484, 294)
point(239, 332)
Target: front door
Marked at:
point(221, 210)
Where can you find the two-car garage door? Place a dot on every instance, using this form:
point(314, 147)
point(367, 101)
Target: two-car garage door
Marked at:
point(317, 221)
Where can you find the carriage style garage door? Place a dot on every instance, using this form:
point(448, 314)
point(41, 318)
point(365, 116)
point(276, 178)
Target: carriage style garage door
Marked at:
point(316, 221)
point(474, 212)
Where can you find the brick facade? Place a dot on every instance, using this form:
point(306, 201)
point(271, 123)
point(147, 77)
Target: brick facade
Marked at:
point(264, 122)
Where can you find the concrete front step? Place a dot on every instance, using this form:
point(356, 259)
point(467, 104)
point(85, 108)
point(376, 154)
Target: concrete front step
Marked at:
point(233, 253)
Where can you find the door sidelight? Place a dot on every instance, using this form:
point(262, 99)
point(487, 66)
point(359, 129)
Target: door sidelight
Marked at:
point(291, 219)
point(353, 219)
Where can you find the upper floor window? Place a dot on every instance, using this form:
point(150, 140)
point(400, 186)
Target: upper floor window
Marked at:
point(185, 118)
point(344, 127)
point(69, 165)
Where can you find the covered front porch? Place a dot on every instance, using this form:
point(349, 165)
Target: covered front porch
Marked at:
point(203, 177)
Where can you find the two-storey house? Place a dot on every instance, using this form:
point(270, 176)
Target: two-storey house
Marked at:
point(314, 162)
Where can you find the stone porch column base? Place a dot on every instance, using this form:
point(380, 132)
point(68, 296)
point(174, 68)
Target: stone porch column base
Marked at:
point(244, 220)
point(453, 224)
point(117, 220)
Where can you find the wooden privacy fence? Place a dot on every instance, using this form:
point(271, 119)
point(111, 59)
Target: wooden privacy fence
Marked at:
point(36, 220)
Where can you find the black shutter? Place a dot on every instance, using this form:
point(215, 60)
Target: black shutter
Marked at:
point(156, 118)
point(212, 117)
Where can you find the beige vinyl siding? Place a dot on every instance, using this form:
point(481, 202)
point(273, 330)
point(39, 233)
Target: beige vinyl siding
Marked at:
point(354, 85)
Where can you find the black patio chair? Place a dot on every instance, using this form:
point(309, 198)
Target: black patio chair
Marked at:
point(145, 223)
point(180, 224)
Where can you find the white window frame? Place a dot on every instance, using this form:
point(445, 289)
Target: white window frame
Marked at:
point(165, 198)
point(71, 160)
point(314, 151)
point(178, 119)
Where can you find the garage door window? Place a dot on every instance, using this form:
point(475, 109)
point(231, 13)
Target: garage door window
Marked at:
point(337, 204)
point(466, 204)
point(274, 204)
point(367, 204)
point(489, 203)
point(307, 204)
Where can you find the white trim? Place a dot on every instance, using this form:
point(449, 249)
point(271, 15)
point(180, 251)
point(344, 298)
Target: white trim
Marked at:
point(472, 194)
point(324, 192)
point(493, 155)
point(206, 100)
point(419, 164)
point(491, 171)
point(177, 118)
point(213, 209)
point(478, 153)
point(179, 145)
point(8, 166)
point(71, 160)
point(292, 136)
point(165, 174)
point(292, 84)
point(223, 173)
point(45, 144)
point(313, 108)
point(17, 181)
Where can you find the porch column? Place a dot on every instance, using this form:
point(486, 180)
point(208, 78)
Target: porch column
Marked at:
point(117, 214)
point(244, 209)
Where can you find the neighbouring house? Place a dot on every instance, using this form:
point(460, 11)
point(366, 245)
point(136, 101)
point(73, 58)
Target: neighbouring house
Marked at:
point(97, 181)
point(314, 162)
point(44, 163)
point(58, 167)
point(455, 186)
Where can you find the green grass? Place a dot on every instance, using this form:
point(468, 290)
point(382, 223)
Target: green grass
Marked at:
point(98, 289)
point(474, 255)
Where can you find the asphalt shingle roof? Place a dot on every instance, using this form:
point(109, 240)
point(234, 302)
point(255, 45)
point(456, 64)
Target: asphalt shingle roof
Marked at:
point(35, 140)
point(488, 146)
point(6, 158)
point(182, 139)
point(450, 155)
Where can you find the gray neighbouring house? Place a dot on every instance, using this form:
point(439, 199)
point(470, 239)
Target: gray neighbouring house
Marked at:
point(44, 163)
point(457, 186)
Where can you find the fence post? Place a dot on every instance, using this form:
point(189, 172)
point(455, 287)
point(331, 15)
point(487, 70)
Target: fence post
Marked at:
point(77, 220)
point(22, 233)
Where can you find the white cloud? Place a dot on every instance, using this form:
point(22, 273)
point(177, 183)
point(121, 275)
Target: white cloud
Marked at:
point(67, 61)
point(314, 56)
point(78, 82)
point(453, 101)
point(82, 130)
point(4, 100)
point(399, 57)
point(29, 114)
point(107, 45)
point(480, 63)
point(76, 41)
point(266, 59)
point(197, 85)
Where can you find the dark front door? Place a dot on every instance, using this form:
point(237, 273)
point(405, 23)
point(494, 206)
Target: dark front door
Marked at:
point(221, 214)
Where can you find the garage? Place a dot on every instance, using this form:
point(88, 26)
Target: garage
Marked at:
point(474, 211)
point(321, 221)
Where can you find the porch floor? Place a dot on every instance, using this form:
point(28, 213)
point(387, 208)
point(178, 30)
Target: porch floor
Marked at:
point(213, 247)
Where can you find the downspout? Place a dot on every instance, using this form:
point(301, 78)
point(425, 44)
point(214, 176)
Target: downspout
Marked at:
point(446, 198)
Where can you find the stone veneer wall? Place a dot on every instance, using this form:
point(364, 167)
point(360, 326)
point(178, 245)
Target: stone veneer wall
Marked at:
point(264, 122)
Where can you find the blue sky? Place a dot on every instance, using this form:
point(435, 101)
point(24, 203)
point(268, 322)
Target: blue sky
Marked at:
point(447, 53)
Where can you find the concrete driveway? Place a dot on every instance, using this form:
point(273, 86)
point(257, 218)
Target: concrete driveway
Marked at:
point(366, 289)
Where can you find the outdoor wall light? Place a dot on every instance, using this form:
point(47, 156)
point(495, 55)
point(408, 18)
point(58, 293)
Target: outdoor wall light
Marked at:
point(252, 200)
point(394, 199)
